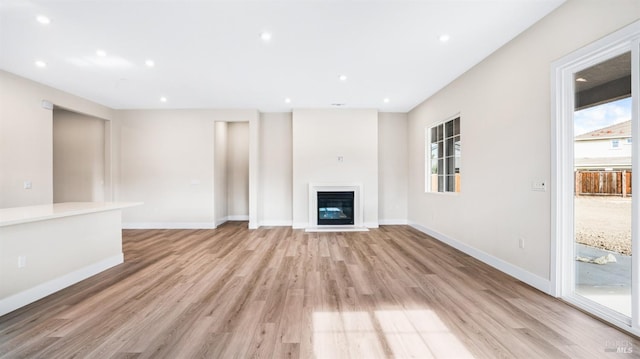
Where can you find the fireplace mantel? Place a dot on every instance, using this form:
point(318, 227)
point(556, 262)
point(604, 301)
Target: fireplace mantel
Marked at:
point(358, 206)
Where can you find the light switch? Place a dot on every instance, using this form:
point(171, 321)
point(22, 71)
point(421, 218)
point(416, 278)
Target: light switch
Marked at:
point(540, 186)
point(27, 184)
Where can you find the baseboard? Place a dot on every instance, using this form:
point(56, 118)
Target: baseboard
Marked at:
point(285, 223)
point(371, 224)
point(531, 279)
point(240, 217)
point(221, 221)
point(40, 291)
point(300, 225)
point(169, 225)
point(392, 222)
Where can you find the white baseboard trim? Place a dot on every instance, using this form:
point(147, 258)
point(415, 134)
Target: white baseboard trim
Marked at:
point(240, 217)
point(221, 221)
point(371, 224)
point(300, 225)
point(393, 222)
point(285, 223)
point(169, 225)
point(40, 291)
point(531, 279)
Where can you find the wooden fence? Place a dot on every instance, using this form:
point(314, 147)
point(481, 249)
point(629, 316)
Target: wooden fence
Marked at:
point(603, 183)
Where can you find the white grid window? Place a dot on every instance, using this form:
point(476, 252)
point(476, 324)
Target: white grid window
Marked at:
point(443, 157)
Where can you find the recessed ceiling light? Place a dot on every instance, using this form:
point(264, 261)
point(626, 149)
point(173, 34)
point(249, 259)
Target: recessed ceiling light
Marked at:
point(41, 63)
point(43, 20)
point(386, 100)
point(150, 63)
point(101, 53)
point(343, 78)
point(338, 104)
point(163, 99)
point(581, 79)
point(444, 38)
point(287, 100)
point(265, 36)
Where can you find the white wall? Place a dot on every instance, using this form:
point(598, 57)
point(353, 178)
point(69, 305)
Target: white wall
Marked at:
point(220, 172)
point(319, 137)
point(26, 138)
point(505, 107)
point(277, 174)
point(167, 163)
point(78, 157)
point(393, 162)
point(238, 170)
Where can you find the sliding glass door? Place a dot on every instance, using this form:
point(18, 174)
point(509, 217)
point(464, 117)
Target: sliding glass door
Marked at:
point(603, 171)
point(595, 212)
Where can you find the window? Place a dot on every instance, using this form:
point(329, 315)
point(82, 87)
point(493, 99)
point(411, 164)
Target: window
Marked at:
point(629, 141)
point(442, 172)
point(615, 143)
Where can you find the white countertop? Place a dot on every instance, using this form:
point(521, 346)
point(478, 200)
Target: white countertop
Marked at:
point(18, 215)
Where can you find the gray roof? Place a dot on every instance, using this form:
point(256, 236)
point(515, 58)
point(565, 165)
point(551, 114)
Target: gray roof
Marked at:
point(619, 130)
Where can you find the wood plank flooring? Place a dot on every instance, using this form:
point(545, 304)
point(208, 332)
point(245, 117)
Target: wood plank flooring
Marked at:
point(283, 293)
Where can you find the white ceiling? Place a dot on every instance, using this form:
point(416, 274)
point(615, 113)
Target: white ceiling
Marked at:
point(209, 54)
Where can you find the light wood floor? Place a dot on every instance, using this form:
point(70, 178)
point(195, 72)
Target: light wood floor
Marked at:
point(276, 293)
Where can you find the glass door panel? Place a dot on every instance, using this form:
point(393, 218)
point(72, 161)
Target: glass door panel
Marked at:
point(603, 170)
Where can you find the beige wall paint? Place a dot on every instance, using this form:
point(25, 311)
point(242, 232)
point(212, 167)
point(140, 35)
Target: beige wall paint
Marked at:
point(505, 106)
point(167, 162)
point(220, 172)
point(319, 137)
point(393, 160)
point(277, 174)
point(238, 170)
point(78, 157)
point(26, 138)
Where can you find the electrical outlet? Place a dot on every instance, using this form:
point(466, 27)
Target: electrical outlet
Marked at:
point(521, 243)
point(22, 261)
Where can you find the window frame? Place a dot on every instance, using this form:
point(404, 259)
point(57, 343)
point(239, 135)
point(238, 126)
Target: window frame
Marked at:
point(446, 155)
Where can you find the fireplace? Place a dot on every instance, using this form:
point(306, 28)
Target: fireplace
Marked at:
point(335, 208)
point(352, 207)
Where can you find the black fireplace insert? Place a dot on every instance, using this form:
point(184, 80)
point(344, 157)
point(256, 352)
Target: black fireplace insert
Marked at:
point(335, 208)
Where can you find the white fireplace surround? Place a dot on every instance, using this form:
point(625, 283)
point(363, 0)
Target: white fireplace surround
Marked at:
point(358, 205)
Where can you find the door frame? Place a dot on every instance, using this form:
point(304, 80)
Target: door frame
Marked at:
point(562, 172)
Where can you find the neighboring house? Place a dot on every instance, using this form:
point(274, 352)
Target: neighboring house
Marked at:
point(608, 148)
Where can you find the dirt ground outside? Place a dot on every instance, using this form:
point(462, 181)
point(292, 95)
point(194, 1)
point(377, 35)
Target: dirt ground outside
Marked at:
point(604, 222)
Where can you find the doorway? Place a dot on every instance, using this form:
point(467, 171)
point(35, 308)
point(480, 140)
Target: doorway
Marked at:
point(79, 157)
point(594, 210)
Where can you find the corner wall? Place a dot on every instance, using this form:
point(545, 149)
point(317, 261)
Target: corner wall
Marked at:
point(220, 173)
point(169, 162)
point(238, 171)
point(276, 177)
point(505, 109)
point(393, 168)
point(26, 137)
point(78, 157)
